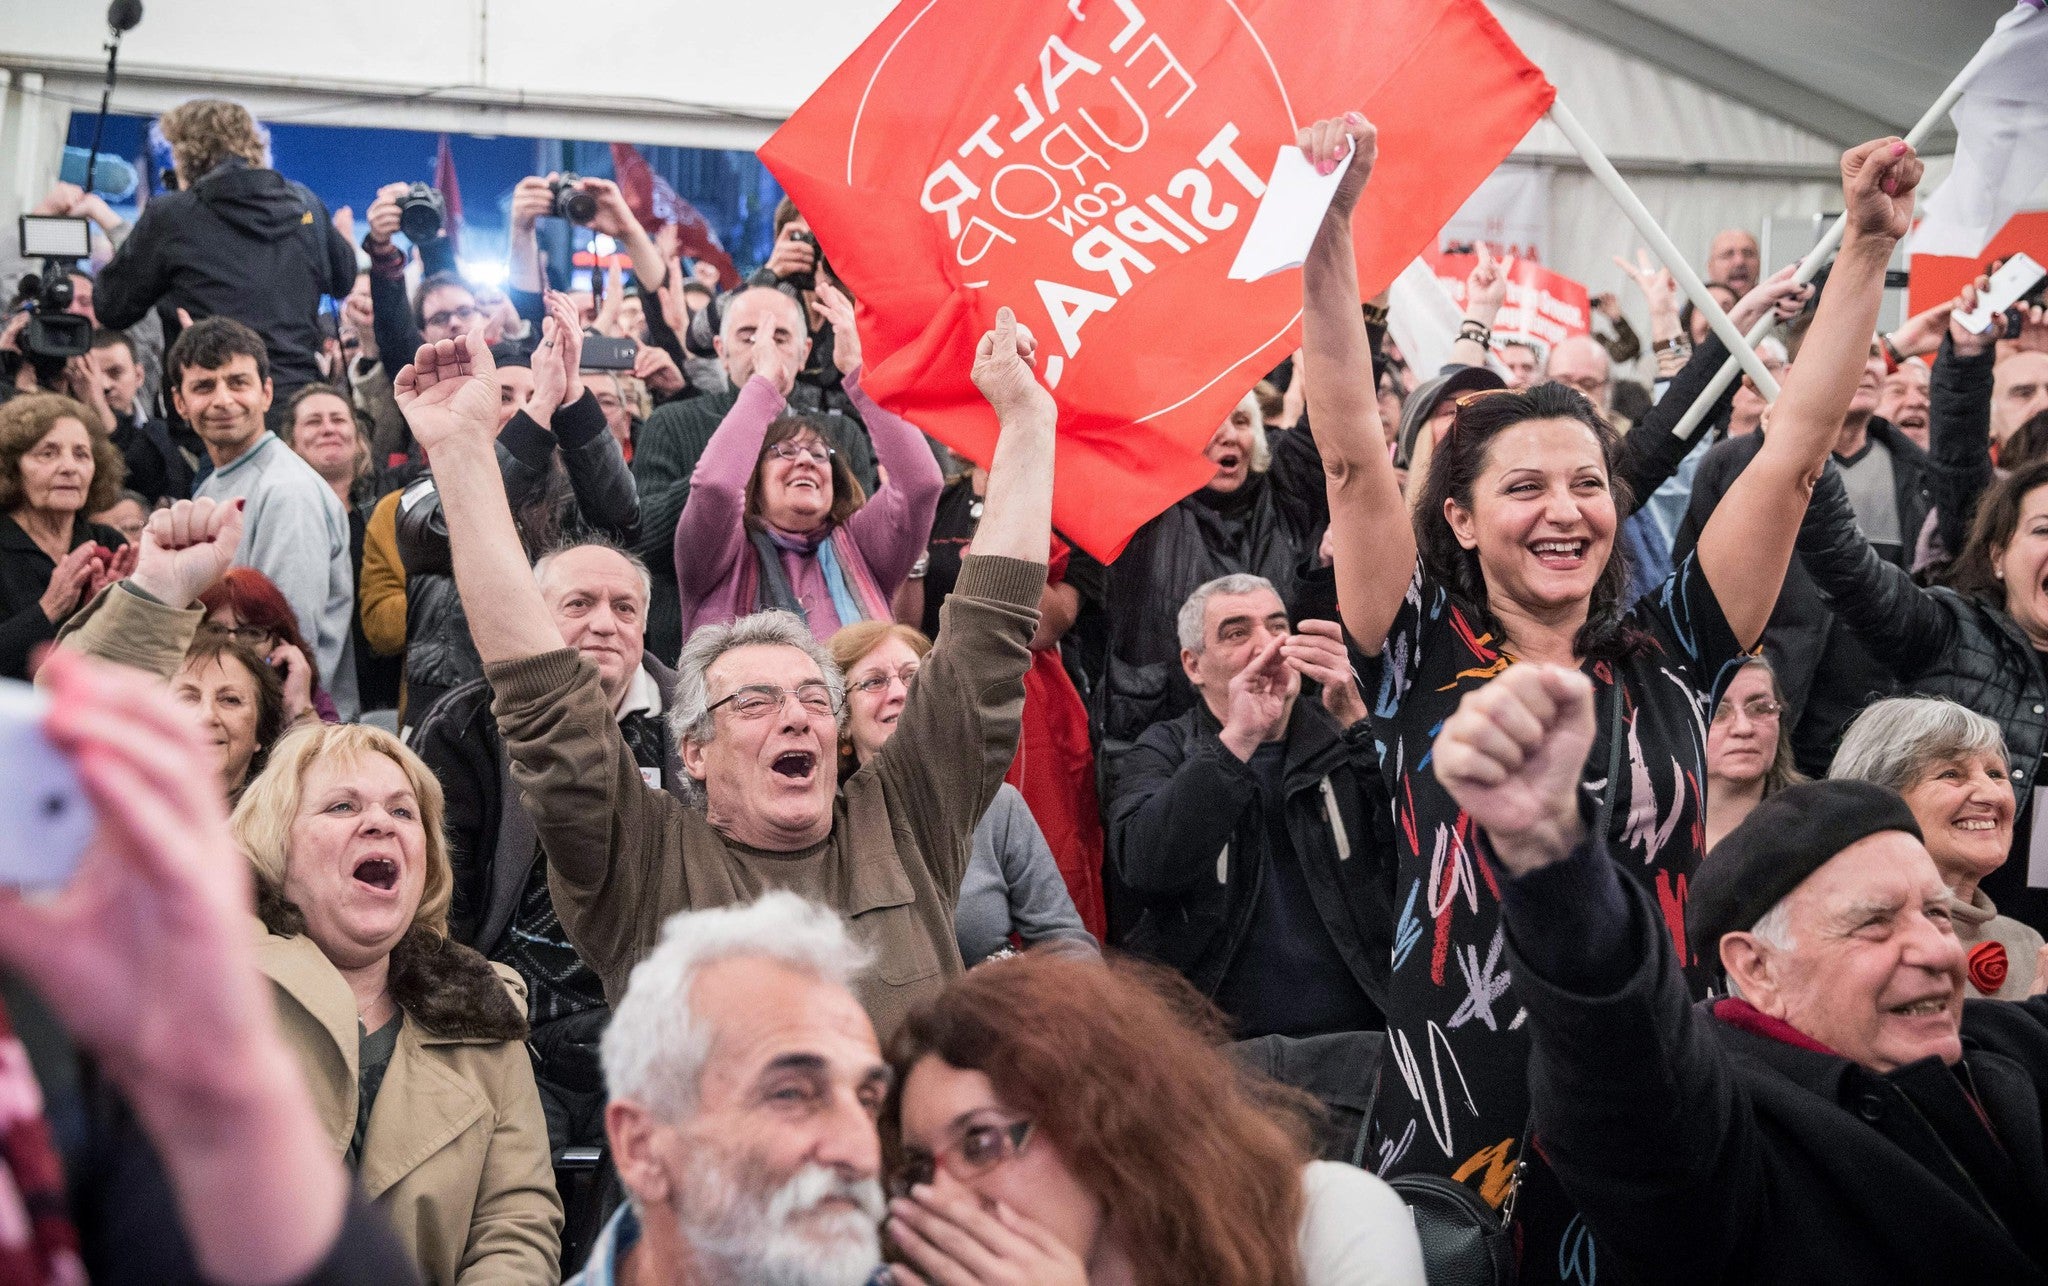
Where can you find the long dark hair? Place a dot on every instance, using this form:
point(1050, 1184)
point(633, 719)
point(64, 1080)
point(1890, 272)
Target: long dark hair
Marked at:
point(1998, 518)
point(1455, 467)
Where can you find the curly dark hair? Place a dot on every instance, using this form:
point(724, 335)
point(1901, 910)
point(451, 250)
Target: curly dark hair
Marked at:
point(23, 423)
point(1455, 467)
point(210, 344)
point(1998, 517)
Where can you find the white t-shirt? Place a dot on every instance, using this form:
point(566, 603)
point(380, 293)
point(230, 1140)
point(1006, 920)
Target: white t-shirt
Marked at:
point(1356, 1231)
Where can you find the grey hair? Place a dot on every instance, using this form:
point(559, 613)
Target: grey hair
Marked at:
point(1189, 623)
point(1895, 742)
point(655, 1048)
point(541, 564)
point(1774, 931)
point(691, 719)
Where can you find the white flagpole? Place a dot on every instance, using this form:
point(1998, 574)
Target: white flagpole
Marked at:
point(1832, 241)
point(1660, 242)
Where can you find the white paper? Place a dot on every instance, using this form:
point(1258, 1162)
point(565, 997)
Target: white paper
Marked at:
point(1285, 225)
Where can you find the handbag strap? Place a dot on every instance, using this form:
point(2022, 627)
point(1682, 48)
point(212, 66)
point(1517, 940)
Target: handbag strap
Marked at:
point(1604, 821)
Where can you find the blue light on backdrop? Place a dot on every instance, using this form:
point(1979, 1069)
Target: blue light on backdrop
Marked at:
point(346, 165)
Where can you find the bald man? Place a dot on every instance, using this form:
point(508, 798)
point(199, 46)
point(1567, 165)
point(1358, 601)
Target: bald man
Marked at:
point(1732, 257)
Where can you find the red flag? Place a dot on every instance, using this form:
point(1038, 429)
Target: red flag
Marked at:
point(451, 193)
point(654, 203)
point(1094, 164)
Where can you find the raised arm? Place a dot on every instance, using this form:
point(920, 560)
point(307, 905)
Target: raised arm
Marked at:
point(1747, 544)
point(450, 398)
point(1639, 1111)
point(1959, 423)
point(968, 706)
point(710, 536)
point(1016, 521)
point(894, 527)
point(1650, 453)
point(1371, 538)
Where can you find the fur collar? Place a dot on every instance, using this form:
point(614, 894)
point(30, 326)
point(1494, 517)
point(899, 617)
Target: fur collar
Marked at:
point(445, 987)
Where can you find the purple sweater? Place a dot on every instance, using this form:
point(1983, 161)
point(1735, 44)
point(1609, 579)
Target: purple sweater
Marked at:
point(886, 534)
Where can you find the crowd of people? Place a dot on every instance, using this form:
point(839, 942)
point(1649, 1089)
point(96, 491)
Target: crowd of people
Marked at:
point(682, 824)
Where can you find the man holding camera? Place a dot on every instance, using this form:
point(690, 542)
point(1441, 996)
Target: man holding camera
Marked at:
point(239, 240)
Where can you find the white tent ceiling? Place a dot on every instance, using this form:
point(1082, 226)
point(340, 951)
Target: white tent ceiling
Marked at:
point(1723, 112)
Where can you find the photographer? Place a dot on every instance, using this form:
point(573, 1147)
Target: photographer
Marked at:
point(240, 240)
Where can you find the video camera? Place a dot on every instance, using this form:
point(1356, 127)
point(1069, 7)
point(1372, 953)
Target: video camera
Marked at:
point(54, 334)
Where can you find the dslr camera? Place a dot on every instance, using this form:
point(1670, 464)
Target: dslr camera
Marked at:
point(571, 201)
point(421, 212)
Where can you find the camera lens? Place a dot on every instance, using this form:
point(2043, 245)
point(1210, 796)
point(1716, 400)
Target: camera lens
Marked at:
point(572, 202)
point(420, 214)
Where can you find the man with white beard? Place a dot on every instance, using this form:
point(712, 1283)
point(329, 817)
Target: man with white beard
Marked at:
point(745, 1080)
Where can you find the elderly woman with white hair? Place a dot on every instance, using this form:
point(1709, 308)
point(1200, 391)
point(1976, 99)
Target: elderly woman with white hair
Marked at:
point(1263, 512)
point(1949, 764)
point(413, 1044)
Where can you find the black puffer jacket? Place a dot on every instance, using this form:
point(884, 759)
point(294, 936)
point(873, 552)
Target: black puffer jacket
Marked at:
point(1824, 669)
point(1939, 643)
point(246, 243)
point(1189, 842)
point(589, 493)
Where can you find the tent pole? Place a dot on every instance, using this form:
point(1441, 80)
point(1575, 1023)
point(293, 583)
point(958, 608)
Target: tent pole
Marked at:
point(1821, 253)
point(1660, 242)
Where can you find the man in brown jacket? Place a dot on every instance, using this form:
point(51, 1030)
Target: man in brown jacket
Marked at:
point(757, 716)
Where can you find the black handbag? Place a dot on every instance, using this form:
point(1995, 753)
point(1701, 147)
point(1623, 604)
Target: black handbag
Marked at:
point(1465, 1242)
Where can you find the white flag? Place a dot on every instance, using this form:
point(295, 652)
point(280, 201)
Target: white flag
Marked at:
point(1423, 319)
point(2001, 139)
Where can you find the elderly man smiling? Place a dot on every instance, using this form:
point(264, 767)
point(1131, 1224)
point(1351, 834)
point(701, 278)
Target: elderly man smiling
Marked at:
point(1849, 1119)
point(757, 716)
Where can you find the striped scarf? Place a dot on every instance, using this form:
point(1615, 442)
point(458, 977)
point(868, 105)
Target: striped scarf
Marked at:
point(855, 596)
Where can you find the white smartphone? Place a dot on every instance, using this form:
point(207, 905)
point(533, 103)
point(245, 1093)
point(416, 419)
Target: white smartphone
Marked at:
point(2016, 278)
point(45, 818)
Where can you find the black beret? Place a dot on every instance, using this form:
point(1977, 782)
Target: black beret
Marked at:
point(1783, 840)
point(511, 354)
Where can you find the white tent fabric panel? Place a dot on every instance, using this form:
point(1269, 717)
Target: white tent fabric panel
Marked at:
point(1639, 112)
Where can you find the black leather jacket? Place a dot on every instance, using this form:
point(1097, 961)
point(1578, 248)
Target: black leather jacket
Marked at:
point(1188, 840)
point(1940, 643)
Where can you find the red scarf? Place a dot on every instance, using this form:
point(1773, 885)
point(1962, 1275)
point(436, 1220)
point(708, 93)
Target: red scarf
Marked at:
point(1742, 1015)
point(50, 1253)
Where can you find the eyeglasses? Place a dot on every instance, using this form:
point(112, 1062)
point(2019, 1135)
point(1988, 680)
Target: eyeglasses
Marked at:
point(464, 313)
point(880, 682)
point(253, 635)
point(759, 700)
point(817, 451)
point(979, 1149)
point(1757, 708)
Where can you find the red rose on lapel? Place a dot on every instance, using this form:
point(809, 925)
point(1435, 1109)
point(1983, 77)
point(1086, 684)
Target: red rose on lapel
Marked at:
point(1988, 966)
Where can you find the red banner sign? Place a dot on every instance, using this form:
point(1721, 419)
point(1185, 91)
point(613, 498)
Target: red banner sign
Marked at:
point(1543, 307)
point(1094, 165)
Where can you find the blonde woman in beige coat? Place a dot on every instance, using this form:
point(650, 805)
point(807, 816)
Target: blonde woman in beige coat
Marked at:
point(445, 1131)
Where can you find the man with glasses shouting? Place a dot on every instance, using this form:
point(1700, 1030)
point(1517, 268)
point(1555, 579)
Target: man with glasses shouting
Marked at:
point(757, 716)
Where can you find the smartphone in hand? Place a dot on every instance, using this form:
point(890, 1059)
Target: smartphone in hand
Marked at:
point(45, 819)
